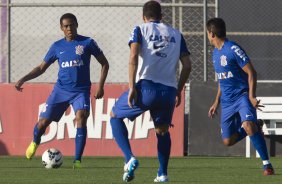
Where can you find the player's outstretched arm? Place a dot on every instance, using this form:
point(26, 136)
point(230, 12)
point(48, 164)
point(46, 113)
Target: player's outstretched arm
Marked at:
point(37, 71)
point(213, 109)
point(185, 72)
point(104, 72)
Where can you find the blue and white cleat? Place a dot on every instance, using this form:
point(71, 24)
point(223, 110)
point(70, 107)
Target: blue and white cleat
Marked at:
point(161, 179)
point(129, 169)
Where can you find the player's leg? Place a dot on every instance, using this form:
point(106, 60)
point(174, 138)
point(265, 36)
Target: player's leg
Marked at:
point(164, 147)
point(81, 135)
point(231, 127)
point(120, 134)
point(161, 113)
point(250, 124)
point(53, 110)
point(259, 143)
point(81, 106)
point(120, 111)
point(38, 131)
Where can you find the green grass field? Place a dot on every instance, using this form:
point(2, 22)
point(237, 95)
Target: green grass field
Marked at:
point(200, 170)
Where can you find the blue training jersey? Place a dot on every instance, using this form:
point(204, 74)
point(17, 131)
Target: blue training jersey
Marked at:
point(74, 62)
point(228, 63)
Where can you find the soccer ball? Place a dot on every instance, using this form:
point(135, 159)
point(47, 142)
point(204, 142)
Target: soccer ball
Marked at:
point(52, 158)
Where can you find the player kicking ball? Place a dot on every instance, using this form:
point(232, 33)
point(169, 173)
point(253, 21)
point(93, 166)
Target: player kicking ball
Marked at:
point(73, 54)
point(236, 92)
point(153, 86)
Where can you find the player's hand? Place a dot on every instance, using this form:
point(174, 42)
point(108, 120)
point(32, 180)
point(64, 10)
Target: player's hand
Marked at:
point(18, 85)
point(178, 99)
point(256, 103)
point(132, 97)
point(99, 93)
point(213, 110)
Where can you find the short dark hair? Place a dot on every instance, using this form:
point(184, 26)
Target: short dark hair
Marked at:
point(217, 27)
point(68, 16)
point(152, 9)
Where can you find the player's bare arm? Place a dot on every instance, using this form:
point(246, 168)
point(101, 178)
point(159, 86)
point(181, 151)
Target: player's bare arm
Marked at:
point(213, 108)
point(133, 64)
point(252, 80)
point(37, 71)
point(185, 72)
point(104, 72)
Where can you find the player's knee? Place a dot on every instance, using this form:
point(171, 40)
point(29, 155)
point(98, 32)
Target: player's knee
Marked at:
point(43, 123)
point(250, 127)
point(161, 129)
point(81, 118)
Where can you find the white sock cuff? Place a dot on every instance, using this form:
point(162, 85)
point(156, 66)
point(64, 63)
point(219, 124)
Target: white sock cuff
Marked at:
point(265, 162)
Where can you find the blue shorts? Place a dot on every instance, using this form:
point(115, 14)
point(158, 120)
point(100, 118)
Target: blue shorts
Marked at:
point(59, 101)
point(159, 99)
point(233, 115)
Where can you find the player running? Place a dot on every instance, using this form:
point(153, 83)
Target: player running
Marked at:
point(73, 54)
point(153, 86)
point(236, 92)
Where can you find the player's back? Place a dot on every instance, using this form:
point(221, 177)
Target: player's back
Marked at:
point(160, 52)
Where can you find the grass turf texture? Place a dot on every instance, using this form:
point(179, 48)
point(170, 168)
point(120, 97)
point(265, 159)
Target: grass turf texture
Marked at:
point(199, 170)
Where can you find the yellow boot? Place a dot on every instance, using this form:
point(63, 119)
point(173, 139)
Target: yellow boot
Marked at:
point(30, 151)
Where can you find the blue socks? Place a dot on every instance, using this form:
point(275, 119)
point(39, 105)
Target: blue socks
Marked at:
point(164, 145)
point(241, 134)
point(260, 145)
point(80, 141)
point(37, 134)
point(120, 134)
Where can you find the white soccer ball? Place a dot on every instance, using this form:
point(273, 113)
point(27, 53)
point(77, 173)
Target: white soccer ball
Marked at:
point(52, 158)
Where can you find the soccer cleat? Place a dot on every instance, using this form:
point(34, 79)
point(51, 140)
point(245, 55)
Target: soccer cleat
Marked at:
point(30, 151)
point(129, 169)
point(268, 170)
point(161, 179)
point(76, 164)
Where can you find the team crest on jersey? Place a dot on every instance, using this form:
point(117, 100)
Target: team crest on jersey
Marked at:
point(223, 60)
point(79, 50)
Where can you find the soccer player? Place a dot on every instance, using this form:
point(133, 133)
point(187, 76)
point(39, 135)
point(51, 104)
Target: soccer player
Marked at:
point(73, 54)
point(236, 92)
point(152, 85)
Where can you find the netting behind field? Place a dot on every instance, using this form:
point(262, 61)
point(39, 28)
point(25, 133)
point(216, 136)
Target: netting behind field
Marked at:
point(32, 35)
point(34, 26)
point(28, 27)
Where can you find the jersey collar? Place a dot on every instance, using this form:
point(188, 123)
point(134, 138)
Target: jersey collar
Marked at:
point(156, 21)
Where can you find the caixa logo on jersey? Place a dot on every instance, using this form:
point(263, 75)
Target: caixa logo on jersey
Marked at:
point(96, 123)
point(73, 63)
